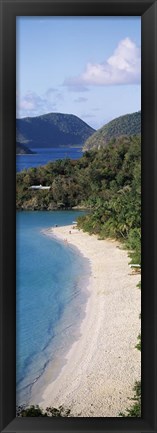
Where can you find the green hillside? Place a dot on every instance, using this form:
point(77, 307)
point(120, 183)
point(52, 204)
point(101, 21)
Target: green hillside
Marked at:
point(106, 181)
point(52, 130)
point(130, 124)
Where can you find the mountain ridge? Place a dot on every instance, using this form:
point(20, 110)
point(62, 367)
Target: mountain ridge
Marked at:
point(126, 125)
point(52, 130)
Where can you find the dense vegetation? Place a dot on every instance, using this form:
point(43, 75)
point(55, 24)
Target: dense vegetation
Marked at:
point(52, 130)
point(22, 149)
point(33, 411)
point(130, 124)
point(106, 181)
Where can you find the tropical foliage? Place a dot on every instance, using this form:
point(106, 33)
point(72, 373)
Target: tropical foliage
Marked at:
point(33, 411)
point(135, 409)
point(130, 124)
point(107, 182)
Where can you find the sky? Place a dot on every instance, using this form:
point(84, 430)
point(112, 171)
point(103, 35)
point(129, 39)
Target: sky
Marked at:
point(87, 66)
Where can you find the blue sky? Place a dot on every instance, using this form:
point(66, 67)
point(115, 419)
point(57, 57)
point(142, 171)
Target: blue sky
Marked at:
point(87, 66)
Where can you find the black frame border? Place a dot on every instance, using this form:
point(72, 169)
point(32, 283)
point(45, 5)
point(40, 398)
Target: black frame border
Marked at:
point(9, 9)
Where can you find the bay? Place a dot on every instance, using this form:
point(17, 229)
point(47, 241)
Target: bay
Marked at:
point(45, 155)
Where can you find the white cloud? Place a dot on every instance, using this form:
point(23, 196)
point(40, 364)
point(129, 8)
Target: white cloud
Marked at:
point(32, 104)
point(122, 67)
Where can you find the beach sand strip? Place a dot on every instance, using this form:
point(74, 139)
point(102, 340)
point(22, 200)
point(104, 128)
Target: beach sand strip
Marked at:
point(103, 364)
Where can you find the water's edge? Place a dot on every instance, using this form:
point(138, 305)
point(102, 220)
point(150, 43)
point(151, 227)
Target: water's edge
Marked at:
point(66, 331)
point(52, 368)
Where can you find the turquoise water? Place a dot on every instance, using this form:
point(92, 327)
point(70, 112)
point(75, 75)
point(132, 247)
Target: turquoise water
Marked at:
point(51, 295)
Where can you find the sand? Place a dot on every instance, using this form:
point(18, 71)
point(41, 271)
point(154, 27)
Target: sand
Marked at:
point(103, 364)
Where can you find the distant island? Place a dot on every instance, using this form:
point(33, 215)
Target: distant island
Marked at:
point(52, 130)
point(21, 149)
point(129, 124)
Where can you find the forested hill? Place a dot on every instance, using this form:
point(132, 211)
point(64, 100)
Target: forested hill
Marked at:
point(21, 149)
point(92, 180)
point(106, 181)
point(52, 130)
point(130, 124)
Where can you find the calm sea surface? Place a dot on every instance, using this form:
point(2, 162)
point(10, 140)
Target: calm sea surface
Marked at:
point(51, 296)
point(43, 156)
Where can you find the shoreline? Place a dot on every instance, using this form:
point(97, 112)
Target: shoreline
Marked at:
point(103, 364)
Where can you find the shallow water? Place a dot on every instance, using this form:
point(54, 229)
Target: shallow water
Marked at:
point(51, 296)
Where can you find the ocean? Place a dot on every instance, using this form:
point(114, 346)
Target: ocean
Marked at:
point(51, 296)
point(43, 156)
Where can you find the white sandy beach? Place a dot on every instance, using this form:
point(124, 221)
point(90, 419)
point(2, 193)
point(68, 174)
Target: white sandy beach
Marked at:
point(103, 364)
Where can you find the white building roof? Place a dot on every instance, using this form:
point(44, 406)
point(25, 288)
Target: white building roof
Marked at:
point(39, 187)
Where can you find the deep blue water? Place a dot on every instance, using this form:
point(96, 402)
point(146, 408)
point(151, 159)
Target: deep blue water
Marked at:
point(43, 156)
point(50, 296)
